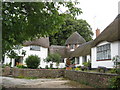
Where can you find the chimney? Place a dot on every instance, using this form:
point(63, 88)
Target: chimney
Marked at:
point(97, 32)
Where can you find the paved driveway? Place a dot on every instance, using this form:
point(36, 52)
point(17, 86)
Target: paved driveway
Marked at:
point(34, 83)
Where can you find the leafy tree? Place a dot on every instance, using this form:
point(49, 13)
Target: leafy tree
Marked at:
point(71, 25)
point(53, 58)
point(32, 61)
point(28, 20)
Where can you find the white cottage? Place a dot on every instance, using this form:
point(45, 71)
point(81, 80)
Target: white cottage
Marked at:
point(106, 45)
point(72, 44)
point(37, 47)
point(99, 51)
point(71, 50)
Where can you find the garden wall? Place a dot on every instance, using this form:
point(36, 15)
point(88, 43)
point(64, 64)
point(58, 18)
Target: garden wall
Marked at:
point(6, 71)
point(39, 73)
point(88, 78)
point(97, 80)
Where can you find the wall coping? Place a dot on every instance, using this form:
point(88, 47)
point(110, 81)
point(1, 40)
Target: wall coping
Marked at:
point(97, 73)
point(36, 69)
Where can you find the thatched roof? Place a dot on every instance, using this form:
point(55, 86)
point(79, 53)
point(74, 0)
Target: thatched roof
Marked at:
point(61, 50)
point(82, 50)
point(75, 38)
point(111, 32)
point(44, 42)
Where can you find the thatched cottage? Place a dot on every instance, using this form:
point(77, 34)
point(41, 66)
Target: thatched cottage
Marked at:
point(37, 47)
point(99, 51)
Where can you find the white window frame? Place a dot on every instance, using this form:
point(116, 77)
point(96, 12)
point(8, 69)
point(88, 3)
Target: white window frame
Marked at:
point(104, 52)
point(33, 47)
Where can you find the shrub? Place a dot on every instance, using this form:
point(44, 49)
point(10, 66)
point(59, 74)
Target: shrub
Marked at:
point(51, 65)
point(113, 71)
point(46, 67)
point(101, 69)
point(53, 58)
point(4, 65)
point(78, 66)
point(87, 64)
point(115, 82)
point(118, 70)
point(77, 69)
point(21, 66)
point(33, 61)
point(83, 68)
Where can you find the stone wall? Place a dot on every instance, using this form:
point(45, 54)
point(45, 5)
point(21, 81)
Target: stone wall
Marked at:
point(98, 80)
point(40, 73)
point(88, 78)
point(6, 71)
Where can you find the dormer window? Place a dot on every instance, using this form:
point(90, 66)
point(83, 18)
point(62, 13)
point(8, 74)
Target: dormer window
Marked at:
point(72, 46)
point(35, 48)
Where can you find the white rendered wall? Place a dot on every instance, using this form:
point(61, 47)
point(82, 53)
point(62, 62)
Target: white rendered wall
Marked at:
point(81, 60)
point(107, 63)
point(119, 48)
point(7, 61)
point(43, 53)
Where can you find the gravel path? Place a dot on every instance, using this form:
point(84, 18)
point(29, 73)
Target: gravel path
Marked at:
point(34, 83)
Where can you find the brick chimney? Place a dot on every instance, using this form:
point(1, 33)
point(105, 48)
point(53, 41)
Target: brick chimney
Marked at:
point(97, 32)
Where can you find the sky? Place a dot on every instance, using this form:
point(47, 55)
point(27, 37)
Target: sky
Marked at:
point(98, 13)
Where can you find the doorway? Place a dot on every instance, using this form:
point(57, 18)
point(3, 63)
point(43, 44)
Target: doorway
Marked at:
point(18, 60)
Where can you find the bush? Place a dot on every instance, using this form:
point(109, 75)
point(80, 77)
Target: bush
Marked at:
point(46, 67)
point(33, 61)
point(113, 71)
point(102, 69)
point(87, 64)
point(53, 58)
point(4, 65)
point(115, 82)
point(84, 68)
point(51, 65)
point(21, 66)
point(118, 70)
point(77, 69)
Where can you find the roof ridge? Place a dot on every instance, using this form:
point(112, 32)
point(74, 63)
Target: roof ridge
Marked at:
point(75, 38)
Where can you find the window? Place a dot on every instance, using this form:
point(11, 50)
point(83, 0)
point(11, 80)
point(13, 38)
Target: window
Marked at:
point(77, 60)
point(36, 48)
point(17, 47)
point(84, 59)
point(62, 60)
point(72, 46)
point(103, 52)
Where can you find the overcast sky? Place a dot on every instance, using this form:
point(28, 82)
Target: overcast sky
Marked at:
point(98, 13)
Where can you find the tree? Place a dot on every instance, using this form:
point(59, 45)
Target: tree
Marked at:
point(29, 20)
point(71, 25)
point(53, 58)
